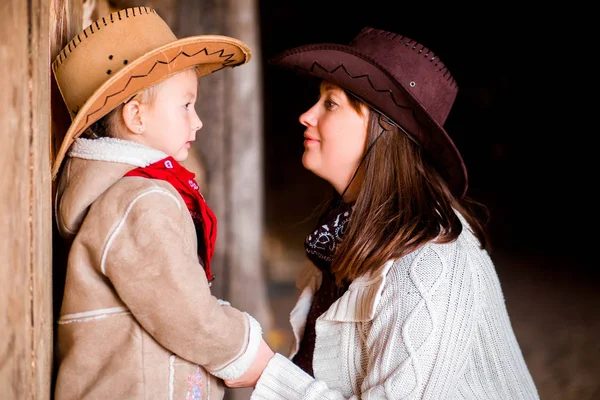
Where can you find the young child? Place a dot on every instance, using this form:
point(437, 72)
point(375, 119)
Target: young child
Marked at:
point(137, 319)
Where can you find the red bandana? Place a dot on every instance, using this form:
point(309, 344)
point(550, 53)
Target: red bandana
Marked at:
point(205, 221)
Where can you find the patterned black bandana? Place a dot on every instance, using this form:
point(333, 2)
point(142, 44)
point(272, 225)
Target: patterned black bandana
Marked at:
point(321, 244)
point(320, 248)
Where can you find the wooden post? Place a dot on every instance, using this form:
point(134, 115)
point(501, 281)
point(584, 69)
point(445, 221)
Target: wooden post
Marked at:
point(244, 130)
point(230, 146)
point(25, 202)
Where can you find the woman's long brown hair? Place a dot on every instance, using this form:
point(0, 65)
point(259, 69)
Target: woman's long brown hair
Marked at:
point(403, 203)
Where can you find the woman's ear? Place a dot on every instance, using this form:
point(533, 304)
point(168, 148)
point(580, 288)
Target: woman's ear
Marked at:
point(132, 117)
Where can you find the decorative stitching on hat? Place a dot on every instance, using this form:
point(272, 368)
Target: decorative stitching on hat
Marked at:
point(422, 137)
point(415, 46)
point(399, 38)
point(316, 63)
point(371, 61)
point(221, 53)
point(389, 91)
point(62, 56)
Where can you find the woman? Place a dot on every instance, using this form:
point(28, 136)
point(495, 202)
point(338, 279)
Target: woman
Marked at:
point(401, 299)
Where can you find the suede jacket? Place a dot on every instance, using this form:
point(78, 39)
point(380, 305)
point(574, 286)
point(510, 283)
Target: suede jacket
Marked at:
point(137, 319)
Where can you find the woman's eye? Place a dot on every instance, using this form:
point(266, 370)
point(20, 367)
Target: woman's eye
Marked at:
point(329, 104)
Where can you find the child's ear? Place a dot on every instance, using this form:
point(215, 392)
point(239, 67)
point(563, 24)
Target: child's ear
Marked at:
point(132, 117)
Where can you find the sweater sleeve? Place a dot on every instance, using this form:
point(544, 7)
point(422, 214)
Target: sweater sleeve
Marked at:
point(416, 344)
point(159, 278)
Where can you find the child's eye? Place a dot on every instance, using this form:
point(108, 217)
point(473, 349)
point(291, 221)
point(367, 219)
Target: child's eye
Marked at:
point(187, 106)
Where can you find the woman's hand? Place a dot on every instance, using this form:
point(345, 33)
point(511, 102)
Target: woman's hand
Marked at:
point(251, 376)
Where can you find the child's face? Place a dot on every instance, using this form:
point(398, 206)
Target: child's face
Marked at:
point(170, 120)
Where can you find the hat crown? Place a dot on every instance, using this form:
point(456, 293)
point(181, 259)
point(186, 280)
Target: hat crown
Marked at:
point(105, 47)
point(412, 65)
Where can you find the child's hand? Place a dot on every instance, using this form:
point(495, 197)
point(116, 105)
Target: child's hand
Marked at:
point(251, 376)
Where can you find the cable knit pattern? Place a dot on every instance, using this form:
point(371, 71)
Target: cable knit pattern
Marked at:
point(432, 325)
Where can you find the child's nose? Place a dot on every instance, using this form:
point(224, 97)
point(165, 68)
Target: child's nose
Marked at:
point(197, 124)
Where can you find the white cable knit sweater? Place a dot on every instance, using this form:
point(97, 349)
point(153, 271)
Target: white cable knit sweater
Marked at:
point(431, 325)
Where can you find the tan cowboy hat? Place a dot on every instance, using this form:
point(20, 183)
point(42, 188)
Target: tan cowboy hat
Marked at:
point(123, 53)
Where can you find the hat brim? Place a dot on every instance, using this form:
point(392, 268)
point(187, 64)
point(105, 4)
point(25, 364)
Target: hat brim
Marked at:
point(207, 53)
point(366, 79)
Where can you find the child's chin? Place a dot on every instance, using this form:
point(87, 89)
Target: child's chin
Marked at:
point(181, 156)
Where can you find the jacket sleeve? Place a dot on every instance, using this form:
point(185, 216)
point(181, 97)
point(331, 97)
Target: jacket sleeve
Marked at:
point(415, 346)
point(159, 278)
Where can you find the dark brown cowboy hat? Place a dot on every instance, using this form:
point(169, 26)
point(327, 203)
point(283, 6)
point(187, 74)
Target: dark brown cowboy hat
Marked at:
point(397, 77)
point(124, 53)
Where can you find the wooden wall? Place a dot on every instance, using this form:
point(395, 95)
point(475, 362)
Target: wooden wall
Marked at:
point(25, 202)
point(32, 121)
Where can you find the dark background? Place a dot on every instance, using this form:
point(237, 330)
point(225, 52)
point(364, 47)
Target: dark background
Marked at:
point(521, 136)
point(524, 123)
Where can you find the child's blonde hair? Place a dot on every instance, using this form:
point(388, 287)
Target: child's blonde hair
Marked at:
point(108, 126)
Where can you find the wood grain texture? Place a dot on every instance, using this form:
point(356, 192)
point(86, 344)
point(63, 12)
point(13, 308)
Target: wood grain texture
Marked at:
point(15, 229)
point(40, 193)
point(243, 115)
point(25, 207)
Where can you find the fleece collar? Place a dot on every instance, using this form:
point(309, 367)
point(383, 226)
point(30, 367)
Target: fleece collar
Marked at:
point(115, 150)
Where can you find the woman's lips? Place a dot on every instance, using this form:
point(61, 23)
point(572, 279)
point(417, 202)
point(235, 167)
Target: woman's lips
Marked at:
point(309, 140)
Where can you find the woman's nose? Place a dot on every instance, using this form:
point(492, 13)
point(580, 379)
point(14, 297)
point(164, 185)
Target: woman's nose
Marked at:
point(308, 117)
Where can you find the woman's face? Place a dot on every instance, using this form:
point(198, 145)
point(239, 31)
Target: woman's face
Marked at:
point(335, 138)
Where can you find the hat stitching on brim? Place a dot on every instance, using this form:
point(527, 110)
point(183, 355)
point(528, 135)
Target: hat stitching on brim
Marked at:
point(225, 64)
point(124, 71)
point(349, 50)
point(62, 56)
point(368, 78)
